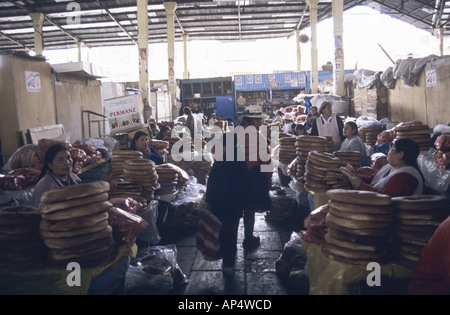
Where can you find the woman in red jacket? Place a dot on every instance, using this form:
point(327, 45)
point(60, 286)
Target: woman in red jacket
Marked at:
point(401, 176)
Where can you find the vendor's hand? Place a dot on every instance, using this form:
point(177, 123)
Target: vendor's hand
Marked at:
point(148, 152)
point(355, 181)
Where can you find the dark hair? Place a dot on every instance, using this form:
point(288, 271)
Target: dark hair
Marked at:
point(50, 154)
point(165, 128)
point(187, 110)
point(300, 127)
point(410, 150)
point(137, 135)
point(352, 125)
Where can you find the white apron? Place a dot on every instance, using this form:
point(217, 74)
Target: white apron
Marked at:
point(379, 181)
point(330, 129)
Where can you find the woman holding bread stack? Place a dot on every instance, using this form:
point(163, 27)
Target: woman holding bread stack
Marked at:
point(400, 177)
point(56, 172)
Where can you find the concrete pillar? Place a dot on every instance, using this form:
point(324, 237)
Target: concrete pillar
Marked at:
point(441, 41)
point(170, 14)
point(144, 84)
point(338, 66)
point(185, 54)
point(79, 50)
point(38, 21)
point(299, 51)
point(314, 55)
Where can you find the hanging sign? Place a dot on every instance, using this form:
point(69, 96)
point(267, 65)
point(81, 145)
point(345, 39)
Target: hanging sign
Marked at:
point(123, 112)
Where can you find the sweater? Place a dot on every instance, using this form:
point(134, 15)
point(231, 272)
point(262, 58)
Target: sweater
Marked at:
point(49, 182)
point(155, 157)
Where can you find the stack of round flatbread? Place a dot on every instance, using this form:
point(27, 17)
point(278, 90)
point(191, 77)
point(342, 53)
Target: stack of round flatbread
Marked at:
point(19, 236)
point(168, 178)
point(124, 189)
point(416, 219)
point(349, 157)
point(142, 171)
point(117, 160)
point(172, 141)
point(75, 227)
point(369, 134)
point(287, 151)
point(322, 172)
point(359, 225)
point(304, 145)
point(419, 133)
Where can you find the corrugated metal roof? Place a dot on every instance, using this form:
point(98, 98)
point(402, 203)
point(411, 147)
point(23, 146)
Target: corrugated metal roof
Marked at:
point(114, 23)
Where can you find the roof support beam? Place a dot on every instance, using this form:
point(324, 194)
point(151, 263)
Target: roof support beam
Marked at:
point(14, 41)
point(25, 8)
point(115, 20)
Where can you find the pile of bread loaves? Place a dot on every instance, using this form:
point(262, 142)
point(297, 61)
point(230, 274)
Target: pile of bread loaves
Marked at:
point(322, 172)
point(20, 244)
point(74, 225)
point(416, 219)
point(365, 226)
point(359, 225)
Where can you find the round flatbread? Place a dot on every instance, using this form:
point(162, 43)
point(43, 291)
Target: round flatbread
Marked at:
point(360, 197)
point(342, 206)
point(77, 212)
point(420, 202)
point(67, 242)
point(75, 191)
point(75, 232)
point(78, 202)
point(73, 224)
point(19, 228)
point(19, 215)
point(351, 245)
point(357, 224)
point(361, 216)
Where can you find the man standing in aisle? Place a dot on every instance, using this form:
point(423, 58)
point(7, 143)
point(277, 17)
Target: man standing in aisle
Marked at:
point(257, 158)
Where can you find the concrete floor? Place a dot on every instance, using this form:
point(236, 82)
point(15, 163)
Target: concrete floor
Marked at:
point(255, 271)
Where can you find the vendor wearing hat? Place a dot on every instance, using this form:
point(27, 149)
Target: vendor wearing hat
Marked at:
point(329, 125)
point(258, 182)
point(288, 124)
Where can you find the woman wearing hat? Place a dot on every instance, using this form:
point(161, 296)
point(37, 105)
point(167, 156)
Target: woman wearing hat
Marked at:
point(288, 124)
point(259, 181)
point(329, 125)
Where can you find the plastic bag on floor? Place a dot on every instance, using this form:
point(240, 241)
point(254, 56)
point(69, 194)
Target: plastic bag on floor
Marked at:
point(151, 232)
point(154, 271)
point(292, 256)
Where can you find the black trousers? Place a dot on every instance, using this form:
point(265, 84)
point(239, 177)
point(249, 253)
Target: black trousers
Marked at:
point(229, 233)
